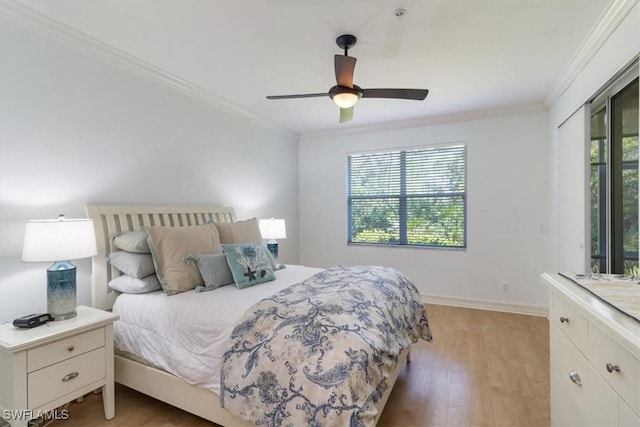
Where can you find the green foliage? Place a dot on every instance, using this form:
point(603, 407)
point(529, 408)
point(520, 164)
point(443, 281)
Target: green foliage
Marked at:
point(430, 221)
point(375, 236)
point(631, 268)
point(629, 176)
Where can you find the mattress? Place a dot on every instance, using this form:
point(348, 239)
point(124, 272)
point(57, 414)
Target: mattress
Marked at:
point(186, 334)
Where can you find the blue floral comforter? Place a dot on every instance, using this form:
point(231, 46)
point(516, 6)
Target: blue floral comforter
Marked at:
point(320, 352)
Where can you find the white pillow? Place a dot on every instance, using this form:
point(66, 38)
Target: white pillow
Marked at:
point(131, 285)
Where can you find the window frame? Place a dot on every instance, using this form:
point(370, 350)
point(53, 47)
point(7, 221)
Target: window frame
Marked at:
point(613, 254)
point(403, 197)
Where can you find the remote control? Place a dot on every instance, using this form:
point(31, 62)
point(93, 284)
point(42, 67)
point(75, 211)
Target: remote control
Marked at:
point(32, 320)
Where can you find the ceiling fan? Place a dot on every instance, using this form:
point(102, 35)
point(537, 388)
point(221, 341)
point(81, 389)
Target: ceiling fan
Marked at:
point(345, 94)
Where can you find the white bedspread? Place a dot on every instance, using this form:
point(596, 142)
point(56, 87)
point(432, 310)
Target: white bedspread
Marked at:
point(186, 334)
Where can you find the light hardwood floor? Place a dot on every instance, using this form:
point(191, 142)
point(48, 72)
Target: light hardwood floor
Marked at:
point(484, 368)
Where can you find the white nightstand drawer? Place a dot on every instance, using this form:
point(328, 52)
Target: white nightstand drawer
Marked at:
point(616, 365)
point(54, 381)
point(60, 350)
point(570, 321)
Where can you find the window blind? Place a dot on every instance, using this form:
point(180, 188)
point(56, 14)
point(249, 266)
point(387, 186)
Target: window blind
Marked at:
point(408, 197)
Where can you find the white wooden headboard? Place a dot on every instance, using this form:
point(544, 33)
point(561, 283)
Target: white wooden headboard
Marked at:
point(108, 220)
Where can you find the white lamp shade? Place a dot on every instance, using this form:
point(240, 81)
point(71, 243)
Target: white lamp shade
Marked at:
point(273, 229)
point(52, 240)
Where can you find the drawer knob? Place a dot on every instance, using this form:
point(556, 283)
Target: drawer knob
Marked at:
point(611, 367)
point(71, 348)
point(575, 377)
point(69, 377)
point(564, 319)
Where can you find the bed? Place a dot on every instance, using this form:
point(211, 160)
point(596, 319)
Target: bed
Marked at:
point(199, 397)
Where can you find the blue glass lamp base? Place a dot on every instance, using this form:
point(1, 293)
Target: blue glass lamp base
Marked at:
point(61, 290)
point(272, 245)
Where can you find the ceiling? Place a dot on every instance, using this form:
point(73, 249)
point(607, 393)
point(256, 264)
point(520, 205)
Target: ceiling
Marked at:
point(472, 55)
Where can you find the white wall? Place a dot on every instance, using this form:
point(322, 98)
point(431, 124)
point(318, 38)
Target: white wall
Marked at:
point(572, 184)
point(77, 129)
point(507, 206)
point(622, 46)
point(617, 51)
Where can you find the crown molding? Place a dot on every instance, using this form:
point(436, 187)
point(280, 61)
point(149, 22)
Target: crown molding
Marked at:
point(610, 19)
point(434, 120)
point(76, 39)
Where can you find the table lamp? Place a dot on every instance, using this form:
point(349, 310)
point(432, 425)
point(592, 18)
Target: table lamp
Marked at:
point(59, 241)
point(272, 229)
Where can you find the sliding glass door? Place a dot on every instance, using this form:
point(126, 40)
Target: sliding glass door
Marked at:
point(614, 180)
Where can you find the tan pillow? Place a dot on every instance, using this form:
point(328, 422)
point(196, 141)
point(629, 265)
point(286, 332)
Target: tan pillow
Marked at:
point(240, 231)
point(170, 245)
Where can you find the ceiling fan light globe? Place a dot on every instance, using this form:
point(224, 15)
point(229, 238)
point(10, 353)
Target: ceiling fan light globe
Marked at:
point(345, 97)
point(345, 100)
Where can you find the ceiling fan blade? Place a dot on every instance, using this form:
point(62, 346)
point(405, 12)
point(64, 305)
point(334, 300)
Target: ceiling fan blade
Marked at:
point(416, 94)
point(344, 66)
point(304, 95)
point(346, 114)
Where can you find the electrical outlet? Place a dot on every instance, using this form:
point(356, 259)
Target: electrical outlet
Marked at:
point(505, 286)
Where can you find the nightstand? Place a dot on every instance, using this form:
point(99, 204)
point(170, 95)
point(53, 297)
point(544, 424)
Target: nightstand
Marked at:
point(50, 365)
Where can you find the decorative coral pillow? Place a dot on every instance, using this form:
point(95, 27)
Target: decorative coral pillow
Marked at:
point(249, 263)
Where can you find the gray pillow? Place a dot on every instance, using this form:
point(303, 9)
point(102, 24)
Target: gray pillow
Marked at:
point(131, 285)
point(213, 269)
point(132, 241)
point(131, 264)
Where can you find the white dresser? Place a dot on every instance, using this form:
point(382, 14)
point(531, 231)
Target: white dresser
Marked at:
point(595, 359)
point(49, 365)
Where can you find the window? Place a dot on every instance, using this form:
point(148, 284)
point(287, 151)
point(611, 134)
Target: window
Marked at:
point(408, 198)
point(614, 179)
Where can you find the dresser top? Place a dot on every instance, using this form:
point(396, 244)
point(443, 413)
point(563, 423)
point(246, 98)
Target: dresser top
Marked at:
point(15, 339)
point(624, 329)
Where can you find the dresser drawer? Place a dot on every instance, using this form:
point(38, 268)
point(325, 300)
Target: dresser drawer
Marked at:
point(57, 380)
point(626, 417)
point(606, 355)
point(570, 321)
point(587, 401)
point(60, 350)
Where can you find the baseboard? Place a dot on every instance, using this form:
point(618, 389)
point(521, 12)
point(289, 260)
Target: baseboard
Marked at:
point(531, 310)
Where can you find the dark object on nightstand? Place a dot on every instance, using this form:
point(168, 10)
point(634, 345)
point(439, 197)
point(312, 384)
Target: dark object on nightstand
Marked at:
point(32, 320)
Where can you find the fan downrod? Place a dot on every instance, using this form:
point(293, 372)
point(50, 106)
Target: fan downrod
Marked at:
point(346, 42)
